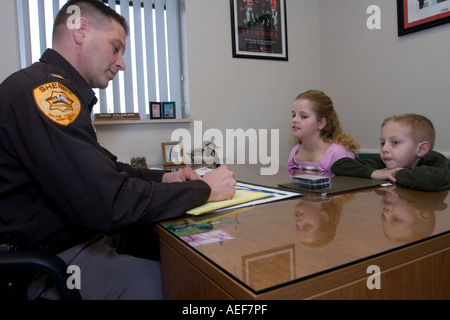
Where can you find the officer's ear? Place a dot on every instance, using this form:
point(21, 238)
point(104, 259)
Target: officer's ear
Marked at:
point(80, 30)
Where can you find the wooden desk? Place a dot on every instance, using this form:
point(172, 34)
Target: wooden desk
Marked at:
point(303, 249)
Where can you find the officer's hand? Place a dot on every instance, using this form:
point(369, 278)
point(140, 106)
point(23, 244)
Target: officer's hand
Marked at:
point(221, 182)
point(185, 174)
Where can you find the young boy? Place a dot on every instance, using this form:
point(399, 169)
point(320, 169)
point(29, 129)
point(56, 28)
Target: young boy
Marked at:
point(406, 156)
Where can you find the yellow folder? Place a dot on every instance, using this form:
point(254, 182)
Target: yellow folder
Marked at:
point(241, 196)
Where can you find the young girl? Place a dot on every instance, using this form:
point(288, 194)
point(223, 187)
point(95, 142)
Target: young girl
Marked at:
point(320, 139)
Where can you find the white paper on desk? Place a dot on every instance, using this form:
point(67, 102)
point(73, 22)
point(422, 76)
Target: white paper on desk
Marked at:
point(277, 194)
point(202, 171)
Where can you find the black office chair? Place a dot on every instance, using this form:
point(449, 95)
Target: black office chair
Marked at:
point(17, 270)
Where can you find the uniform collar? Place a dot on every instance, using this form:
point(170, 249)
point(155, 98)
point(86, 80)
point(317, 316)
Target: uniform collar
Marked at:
point(70, 74)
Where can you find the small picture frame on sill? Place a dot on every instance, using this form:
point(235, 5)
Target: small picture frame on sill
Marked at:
point(155, 110)
point(168, 110)
point(172, 153)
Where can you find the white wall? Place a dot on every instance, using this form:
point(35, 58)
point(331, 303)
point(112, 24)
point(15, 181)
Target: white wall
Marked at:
point(370, 74)
point(9, 55)
point(232, 93)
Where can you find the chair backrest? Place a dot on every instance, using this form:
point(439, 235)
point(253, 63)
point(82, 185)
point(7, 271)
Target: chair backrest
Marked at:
point(17, 269)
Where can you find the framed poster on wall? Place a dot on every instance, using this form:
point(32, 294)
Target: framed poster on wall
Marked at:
point(417, 15)
point(259, 29)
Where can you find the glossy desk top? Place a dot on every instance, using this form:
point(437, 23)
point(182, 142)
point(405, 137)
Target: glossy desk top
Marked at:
point(272, 244)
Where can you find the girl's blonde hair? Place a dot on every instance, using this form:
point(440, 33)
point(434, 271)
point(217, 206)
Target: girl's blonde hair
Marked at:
point(323, 108)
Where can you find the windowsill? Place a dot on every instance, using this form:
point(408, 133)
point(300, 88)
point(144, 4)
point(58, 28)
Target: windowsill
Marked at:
point(127, 122)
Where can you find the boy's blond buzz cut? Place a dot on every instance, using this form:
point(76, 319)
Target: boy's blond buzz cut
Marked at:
point(422, 129)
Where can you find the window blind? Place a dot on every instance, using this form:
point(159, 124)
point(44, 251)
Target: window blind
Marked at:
point(153, 56)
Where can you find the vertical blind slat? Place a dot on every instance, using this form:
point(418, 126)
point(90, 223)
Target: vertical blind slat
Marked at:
point(24, 32)
point(149, 43)
point(55, 7)
point(115, 83)
point(161, 50)
point(41, 14)
point(128, 73)
point(174, 53)
point(139, 55)
point(41, 17)
point(103, 101)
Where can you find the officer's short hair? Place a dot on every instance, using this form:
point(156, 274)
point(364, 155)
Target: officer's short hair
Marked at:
point(94, 10)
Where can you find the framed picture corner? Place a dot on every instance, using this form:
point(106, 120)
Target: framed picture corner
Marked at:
point(418, 15)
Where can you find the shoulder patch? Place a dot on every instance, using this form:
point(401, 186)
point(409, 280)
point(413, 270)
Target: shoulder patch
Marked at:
point(57, 102)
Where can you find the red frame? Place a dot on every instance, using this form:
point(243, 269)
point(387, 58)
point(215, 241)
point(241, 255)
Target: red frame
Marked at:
point(432, 21)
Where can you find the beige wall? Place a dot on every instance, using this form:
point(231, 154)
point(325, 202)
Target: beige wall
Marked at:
point(9, 55)
point(372, 74)
point(369, 74)
point(233, 93)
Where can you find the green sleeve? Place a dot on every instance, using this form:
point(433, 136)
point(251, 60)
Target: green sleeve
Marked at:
point(357, 168)
point(430, 174)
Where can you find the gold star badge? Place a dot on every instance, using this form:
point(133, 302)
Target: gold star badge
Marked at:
point(57, 102)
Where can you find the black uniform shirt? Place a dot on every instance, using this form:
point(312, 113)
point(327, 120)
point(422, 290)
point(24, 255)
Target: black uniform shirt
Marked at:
point(57, 184)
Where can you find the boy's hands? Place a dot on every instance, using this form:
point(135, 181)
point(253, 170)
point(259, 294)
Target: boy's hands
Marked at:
point(385, 174)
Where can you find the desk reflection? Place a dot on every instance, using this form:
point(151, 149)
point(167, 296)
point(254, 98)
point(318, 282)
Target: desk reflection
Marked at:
point(312, 247)
point(317, 218)
point(409, 215)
